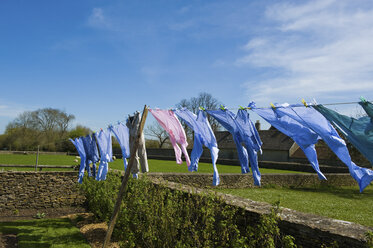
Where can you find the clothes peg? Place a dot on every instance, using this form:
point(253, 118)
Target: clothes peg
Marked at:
point(202, 108)
point(273, 106)
point(251, 105)
point(363, 99)
point(242, 108)
point(222, 107)
point(304, 103)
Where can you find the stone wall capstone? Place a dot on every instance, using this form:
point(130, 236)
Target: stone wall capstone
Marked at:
point(309, 230)
point(204, 180)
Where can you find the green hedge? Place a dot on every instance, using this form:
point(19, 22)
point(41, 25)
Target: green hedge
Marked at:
point(157, 216)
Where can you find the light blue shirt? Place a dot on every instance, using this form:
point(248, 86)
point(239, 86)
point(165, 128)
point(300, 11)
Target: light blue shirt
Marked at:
point(106, 152)
point(121, 133)
point(250, 137)
point(78, 143)
point(302, 135)
point(203, 135)
point(228, 120)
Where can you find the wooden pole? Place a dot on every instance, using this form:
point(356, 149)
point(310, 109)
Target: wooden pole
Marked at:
point(125, 179)
point(37, 159)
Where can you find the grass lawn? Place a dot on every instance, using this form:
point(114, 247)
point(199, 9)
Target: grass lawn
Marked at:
point(154, 165)
point(344, 203)
point(45, 233)
point(30, 159)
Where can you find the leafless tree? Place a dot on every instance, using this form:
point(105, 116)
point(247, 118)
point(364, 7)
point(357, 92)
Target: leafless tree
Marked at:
point(156, 131)
point(46, 127)
point(204, 100)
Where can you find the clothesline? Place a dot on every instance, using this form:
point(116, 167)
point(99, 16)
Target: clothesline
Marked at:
point(299, 121)
point(305, 125)
point(315, 104)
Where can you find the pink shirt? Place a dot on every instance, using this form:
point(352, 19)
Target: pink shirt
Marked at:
point(168, 120)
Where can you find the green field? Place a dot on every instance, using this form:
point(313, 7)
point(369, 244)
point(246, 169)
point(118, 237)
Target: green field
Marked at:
point(154, 165)
point(344, 203)
point(45, 233)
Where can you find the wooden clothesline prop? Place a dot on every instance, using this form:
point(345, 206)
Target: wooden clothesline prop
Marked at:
point(125, 178)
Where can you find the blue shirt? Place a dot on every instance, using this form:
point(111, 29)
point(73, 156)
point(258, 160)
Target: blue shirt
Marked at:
point(106, 152)
point(250, 137)
point(121, 133)
point(228, 120)
point(78, 143)
point(302, 135)
point(312, 119)
point(91, 151)
point(203, 135)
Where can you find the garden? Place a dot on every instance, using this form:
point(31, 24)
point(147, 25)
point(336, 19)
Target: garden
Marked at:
point(155, 215)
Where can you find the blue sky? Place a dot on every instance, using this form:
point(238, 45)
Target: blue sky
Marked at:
point(102, 60)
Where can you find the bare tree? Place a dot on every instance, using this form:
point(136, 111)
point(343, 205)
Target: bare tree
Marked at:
point(157, 132)
point(49, 119)
point(46, 127)
point(52, 122)
point(204, 100)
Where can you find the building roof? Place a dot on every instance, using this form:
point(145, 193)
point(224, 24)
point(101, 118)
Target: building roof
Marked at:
point(275, 140)
point(272, 140)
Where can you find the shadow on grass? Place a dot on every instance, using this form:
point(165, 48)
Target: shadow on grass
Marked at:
point(56, 223)
point(342, 192)
point(44, 233)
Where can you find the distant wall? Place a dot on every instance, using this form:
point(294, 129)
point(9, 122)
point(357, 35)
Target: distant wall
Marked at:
point(272, 160)
point(246, 180)
point(33, 152)
point(224, 153)
point(298, 156)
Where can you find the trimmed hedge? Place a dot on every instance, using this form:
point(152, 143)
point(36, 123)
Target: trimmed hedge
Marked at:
point(154, 215)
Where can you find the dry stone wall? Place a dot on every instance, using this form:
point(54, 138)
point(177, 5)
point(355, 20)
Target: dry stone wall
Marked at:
point(202, 180)
point(60, 189)
point(20, 190)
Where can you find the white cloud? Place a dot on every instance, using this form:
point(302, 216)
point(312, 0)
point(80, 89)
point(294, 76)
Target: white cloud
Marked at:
point(98, 19)
point(218, 63)
point(318, 49)
point(184, 9)
point(181, 26)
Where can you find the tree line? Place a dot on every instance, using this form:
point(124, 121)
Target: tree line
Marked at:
point(47, 128)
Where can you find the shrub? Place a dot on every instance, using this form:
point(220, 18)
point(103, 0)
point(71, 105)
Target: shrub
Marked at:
point(154, 215)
